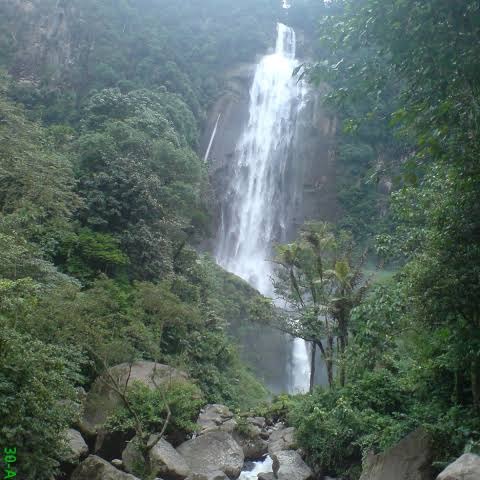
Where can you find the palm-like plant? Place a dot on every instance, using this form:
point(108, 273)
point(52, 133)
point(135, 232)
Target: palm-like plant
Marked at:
point(321, 281)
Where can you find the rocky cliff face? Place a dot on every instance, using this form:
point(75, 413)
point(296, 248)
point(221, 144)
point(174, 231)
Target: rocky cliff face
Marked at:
point(231, 113)
point(311, 166)
point(312, 154)
point(42, 38)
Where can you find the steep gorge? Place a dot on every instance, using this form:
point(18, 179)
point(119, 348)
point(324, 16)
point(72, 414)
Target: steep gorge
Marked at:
point(270, 149)
point(56, 61)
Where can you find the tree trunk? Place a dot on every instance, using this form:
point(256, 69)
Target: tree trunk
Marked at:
point(475, 378)
point(330, 352)
point(456, 387)
point(312, 366)
point(342, 359)
point(326, 354)
point(330, 372)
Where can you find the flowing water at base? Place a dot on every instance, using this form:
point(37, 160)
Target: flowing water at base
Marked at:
point(262, 466)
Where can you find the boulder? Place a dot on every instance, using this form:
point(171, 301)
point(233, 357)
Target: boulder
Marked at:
point(467, 467)
point(216, 417)
point(288, 465)
point(102, 400)
point(265, 435)
point(410, 459)
point(117, 463)
point(76, 446)
point(167, 462)
point(281, 439)
point(162, 460)
point(259, 422)
point(132, 458)
point(266, 476)
point(95, 468)
point(213, 475)
point(254, 447)
point(213, 451)
point(229, 426)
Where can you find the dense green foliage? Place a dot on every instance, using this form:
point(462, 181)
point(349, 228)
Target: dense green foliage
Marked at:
point(99, 44)
point(103, 200)
point(70, 266)
point(405, 81)
point(33, 378)
point(183, 399)
point(320, 278)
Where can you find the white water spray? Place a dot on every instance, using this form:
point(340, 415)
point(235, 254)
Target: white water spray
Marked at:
point(262, 466)
point(260, 202)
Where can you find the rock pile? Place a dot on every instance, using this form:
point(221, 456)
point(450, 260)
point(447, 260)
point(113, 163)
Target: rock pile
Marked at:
point(218, 450)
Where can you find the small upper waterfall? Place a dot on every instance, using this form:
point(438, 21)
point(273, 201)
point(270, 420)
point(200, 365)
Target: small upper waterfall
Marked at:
point(262, 194)
point(212, 138)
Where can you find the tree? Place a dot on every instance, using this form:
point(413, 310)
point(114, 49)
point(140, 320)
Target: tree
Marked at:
point(413, 67)
point(140, 180)
point(36, 379)
point(151, 413)
point(320, 281)
point(37, 198)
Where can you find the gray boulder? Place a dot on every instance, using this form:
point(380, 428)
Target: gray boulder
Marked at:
point(162, 460)
point(95, 468)
point(467, 467)
point(216, 417)
point(288, 465)
point(213, 475)
point(213, 451)
point(132, 458)
point(229, 426)
point(265, 435)
point(253, 449)
point(281, 439)
point(253, 445)
point(167, 462)
point(410, 459)
point(259, 422)
point(117, 463)
point(102, 400)
point(266, 476)
point(76, 446)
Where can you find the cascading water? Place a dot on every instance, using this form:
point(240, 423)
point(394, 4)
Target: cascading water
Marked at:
point(259, 209)
point(262, 466)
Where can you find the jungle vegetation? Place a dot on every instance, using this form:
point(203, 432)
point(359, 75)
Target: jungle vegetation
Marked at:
point(104, 202)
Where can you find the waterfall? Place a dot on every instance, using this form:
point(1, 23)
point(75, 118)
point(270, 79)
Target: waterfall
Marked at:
point(212, 138)
point(261, 199)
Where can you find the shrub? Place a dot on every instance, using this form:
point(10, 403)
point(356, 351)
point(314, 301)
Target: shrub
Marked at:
point(36, 382)
point(337, 427)
point(150, 406)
